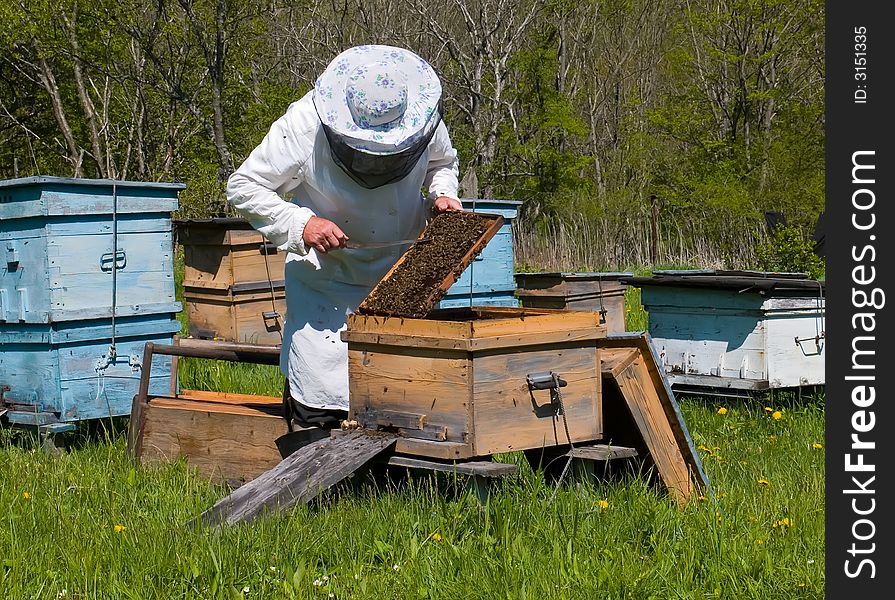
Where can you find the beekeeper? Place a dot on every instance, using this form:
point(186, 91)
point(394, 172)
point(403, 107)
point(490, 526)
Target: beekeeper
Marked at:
point(348, 161)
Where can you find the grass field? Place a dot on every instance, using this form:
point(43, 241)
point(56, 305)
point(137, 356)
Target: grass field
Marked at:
point(89, 524)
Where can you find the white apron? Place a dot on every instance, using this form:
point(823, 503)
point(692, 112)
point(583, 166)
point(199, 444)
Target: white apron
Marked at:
point(294, 161)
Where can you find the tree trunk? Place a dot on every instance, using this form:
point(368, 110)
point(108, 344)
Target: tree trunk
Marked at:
point(48, 80)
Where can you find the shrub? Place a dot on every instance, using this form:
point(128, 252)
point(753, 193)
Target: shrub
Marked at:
point(787, 250)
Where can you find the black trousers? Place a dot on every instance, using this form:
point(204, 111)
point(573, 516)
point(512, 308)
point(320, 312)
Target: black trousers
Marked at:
point(301, 415)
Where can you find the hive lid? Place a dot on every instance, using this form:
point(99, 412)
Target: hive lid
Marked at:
point(743, 281)
point(425, 272)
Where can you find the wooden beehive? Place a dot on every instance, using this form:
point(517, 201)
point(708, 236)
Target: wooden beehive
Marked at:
point(577, 291)
point(488, 280)
point(233, 285)
point(736, 331)
point(455, 385)
point(72, 250)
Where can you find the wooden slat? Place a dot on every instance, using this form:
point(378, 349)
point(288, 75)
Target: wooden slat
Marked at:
point(391, 418)
point(358, 323)
point(266, 409)
point(601, 452)
point(509, 340)
point(299, 478)
point(481, 467)
point(226, 398)
point(544, 323)
point(434, 449)
point(476, 322)
point(205, 284)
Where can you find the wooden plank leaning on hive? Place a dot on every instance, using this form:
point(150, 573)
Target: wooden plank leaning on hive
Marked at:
point(640, 411)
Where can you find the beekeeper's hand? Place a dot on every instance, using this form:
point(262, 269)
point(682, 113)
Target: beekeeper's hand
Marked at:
point(323, 235)
point(446, 204)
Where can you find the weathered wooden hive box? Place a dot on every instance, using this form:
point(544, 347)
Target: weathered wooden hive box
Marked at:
point(233, 284)
point(488, 280)
point(457, 384)
point(736, 330)
point(602, 292)
point(73, 249)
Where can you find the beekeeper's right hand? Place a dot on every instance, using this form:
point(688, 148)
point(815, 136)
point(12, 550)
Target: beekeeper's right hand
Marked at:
point(323, 235)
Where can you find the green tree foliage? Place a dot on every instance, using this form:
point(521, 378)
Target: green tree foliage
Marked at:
point(638, 129)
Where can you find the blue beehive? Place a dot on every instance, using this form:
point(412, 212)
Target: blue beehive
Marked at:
point(735, 332)
point(74, 249)
point(489, 280)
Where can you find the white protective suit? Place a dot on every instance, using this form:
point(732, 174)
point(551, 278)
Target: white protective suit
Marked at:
point(294, 162)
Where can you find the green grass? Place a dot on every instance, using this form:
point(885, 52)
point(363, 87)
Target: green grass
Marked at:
point(90, 524)
point(379, 541)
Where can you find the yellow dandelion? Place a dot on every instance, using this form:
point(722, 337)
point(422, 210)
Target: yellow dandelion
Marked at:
point(436, 537)
point(759, 542)
point(776, 415)
point(817, 446)
point(603, 504)
point(119, 528)
point(722, 411)
point(784, 522)
point(26, 495)
point(764, 482)
point(768, 409)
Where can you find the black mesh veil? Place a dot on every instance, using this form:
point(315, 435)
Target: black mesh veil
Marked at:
point(375, 170)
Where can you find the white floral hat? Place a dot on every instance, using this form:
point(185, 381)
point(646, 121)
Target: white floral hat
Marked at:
point(378, 99)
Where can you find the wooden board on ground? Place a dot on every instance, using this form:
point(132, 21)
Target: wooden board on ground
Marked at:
point(300, 477)
point(226, 439)
point(640, 411)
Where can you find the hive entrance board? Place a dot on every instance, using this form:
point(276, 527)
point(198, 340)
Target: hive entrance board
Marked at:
point(425, 272)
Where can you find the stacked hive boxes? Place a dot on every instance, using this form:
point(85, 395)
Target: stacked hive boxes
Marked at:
point(603, 292)
point(72, 250)
point(233, 283)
